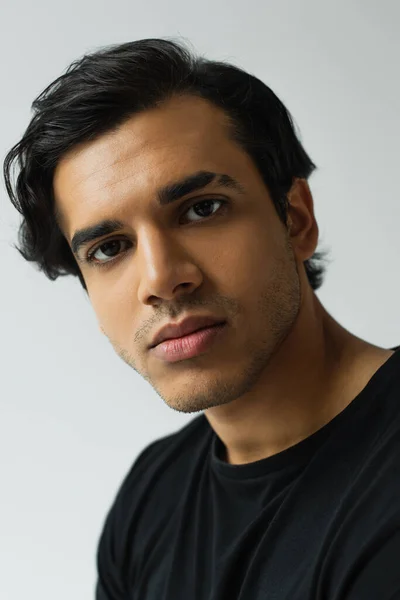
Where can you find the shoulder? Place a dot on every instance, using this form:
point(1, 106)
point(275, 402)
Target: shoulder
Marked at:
point(159, 469)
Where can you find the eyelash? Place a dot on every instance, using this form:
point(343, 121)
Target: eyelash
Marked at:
point(90, 255)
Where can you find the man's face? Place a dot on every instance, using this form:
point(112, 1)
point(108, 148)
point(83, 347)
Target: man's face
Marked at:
point(217, 251)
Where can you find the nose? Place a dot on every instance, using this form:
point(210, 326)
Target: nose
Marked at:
point(165, 268)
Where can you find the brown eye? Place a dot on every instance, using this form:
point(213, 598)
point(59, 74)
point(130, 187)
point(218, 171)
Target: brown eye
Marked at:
point(109, 249)
point(205, 206)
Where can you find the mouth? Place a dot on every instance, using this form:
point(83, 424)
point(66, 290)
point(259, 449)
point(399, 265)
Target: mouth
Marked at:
point(187, 335)
point(186, 327)
point(190, 345)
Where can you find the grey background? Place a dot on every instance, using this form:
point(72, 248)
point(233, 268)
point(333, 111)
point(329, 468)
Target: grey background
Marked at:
point(73, 415)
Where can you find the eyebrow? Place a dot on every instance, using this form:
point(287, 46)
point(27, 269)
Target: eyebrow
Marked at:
point(165, 195)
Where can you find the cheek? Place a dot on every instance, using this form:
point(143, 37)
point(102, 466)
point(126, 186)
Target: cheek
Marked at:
point(240, 261)
point(114, 314)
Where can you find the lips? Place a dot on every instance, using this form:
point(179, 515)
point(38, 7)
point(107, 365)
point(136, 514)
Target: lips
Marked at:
point(185, 327)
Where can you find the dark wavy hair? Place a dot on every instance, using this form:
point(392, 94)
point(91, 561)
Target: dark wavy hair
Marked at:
point(100, 91)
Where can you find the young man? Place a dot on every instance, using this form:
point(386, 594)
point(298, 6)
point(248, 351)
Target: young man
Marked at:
point(176, 189)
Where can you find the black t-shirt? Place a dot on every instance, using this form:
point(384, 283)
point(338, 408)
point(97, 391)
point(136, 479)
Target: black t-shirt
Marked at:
point(319, 520)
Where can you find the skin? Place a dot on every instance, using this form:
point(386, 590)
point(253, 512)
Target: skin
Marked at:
point(283, 367)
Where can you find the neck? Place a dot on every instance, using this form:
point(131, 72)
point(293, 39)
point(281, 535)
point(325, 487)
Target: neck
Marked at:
point(318, 370)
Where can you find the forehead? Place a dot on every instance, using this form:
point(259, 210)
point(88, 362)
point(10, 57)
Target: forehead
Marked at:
point(148, 150)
